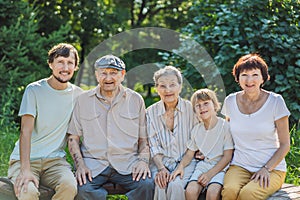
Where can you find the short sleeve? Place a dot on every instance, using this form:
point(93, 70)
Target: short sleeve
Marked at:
point(153, 138)
point(228, 142)
point(191, 144)
point(225, 110)
point(29, 102)
point(281, 109)
point(75, 125)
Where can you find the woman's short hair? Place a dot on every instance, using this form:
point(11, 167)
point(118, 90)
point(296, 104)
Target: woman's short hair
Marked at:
point(167, 70)
point(204, 95)
point(249, 62)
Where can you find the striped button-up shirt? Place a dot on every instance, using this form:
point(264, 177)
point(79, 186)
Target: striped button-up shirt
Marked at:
point(171, 144)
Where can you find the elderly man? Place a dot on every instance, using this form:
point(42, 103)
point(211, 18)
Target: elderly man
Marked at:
point(108, 140)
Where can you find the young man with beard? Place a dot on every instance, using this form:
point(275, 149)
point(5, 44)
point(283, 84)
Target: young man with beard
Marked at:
point(47, 104)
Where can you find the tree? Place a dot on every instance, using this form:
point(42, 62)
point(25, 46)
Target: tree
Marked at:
point(23, 54)
point(96, 20)
point(231, 29)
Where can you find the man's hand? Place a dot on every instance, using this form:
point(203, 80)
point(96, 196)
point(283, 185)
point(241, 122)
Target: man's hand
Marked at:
point(22, 181)
point(162, 178)
point(81, 173)
point(140, 169)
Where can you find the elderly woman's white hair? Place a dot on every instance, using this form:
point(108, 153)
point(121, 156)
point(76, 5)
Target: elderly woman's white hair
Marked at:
point(167, 70)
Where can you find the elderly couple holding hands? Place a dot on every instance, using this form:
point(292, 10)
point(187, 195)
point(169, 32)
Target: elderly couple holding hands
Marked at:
point(174, 149)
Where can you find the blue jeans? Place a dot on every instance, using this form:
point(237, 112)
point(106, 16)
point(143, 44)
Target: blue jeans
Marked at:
point(142, 189)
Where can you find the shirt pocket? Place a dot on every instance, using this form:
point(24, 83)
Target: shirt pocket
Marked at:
point(91, 128)
point(129, 123)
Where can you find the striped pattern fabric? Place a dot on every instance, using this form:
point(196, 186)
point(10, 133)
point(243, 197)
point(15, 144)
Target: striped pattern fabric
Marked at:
point(172, 144)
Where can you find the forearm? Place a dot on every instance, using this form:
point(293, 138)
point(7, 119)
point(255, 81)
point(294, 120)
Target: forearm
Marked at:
point(144, 151)
point(25, 145)
point(158, 161)
point(278, 156)
point(187, 158)
point(222, 163)
point(74, 149)
point(284, 143)
point(27, 124)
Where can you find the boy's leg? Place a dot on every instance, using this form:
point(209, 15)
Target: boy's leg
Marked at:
point(13, 172)
point(193, 190)
point(253, 191)
point(215, 186)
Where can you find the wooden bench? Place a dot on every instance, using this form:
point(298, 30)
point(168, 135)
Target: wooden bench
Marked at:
point(288, 191)
point(7, 192)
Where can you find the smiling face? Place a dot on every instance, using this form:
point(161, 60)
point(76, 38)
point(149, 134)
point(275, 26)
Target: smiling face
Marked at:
point(251, 80)
point(109, 80)
point(205, 109)
point(168, 88)
point(63, 68)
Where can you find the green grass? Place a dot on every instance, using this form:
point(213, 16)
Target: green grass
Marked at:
point(8, 137)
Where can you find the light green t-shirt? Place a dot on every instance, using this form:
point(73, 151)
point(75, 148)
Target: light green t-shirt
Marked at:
point(52, 110)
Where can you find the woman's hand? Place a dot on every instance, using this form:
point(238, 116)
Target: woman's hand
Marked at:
point(263, 176)
point(162, 178)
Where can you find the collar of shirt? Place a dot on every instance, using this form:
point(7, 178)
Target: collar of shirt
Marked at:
point(96, 92)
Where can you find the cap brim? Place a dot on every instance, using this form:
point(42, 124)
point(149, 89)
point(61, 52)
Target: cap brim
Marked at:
point(109, 66)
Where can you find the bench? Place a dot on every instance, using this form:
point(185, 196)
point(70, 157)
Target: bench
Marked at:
point(7, 192)
point(288, 191)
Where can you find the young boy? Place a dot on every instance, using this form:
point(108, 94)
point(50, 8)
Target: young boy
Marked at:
point(213, 139)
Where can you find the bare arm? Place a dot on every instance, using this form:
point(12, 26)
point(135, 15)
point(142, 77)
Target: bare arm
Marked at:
point(282, 126)
point(262, 175)
point(187, 158)
point(81, 170)
point(25, 175)
point(206, 177)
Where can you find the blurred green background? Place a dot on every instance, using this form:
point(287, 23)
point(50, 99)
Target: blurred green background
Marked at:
point(225, 29)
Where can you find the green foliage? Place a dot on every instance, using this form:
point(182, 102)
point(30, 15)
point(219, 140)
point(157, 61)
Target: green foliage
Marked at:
point(231, 29)
point(292, 159)
point(8, 137)
point(23, 55)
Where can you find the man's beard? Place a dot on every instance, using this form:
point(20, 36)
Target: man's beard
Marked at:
point(60, 80)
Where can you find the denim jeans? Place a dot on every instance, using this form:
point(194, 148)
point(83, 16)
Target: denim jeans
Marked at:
point(142, 189)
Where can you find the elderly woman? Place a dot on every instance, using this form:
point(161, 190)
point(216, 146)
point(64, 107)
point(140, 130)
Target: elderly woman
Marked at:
point(260, 131)
point(169, 123)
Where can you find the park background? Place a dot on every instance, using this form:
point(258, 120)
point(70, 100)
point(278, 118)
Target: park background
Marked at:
point(227, 29)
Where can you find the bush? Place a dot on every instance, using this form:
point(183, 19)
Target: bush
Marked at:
point(231, 29)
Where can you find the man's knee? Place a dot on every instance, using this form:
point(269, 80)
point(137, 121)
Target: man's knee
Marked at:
point(32, 193)
point(68, 186)
point(147, 184)
point(86, 191)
